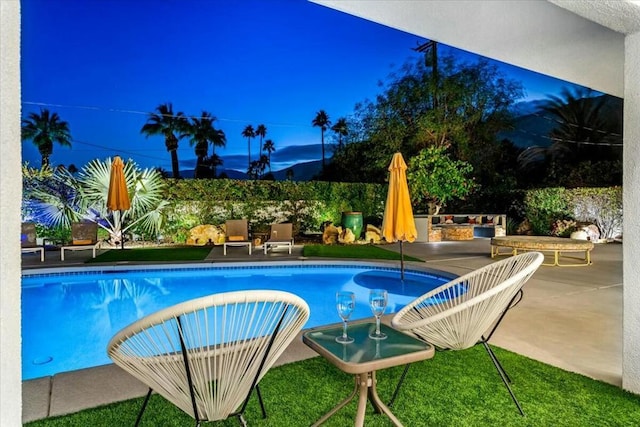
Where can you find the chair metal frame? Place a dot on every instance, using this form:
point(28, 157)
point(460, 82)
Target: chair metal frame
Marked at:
point(279, 235)
point(467, 310)
point(237, 227)
point(83, 231)
point(207, 355)
point(29, 244)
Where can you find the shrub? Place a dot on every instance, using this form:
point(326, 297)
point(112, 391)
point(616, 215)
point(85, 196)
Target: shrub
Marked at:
point(601, 206)
point(544, 206)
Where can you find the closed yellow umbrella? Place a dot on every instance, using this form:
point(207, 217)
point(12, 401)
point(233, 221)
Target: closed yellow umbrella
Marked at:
point(118, 195)
point(398, 224)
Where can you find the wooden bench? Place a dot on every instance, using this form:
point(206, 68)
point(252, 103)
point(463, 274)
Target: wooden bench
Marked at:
point(555, 245)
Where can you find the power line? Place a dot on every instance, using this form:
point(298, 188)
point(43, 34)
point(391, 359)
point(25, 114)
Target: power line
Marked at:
point(146, 113)
point(119, 150)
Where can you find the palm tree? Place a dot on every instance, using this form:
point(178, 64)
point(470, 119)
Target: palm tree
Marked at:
point(269, 148)
point(341, 129)
point(263, 162)
point(44, 129)
point(249, 133)
point(202, 133)
point(322, 121)
point(164, 122)
point(65, 198)
point(253, 172)
point(583, 124)
point(585, 131)
point(261, 131)
point(213, 162)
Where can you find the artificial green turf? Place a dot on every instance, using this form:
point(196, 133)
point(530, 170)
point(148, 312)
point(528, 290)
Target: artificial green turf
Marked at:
point(187, 253)
point(456, 388)
point(353, 251)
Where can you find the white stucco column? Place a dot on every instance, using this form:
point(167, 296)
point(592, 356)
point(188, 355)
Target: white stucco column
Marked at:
point(10, 200)
point(631, 200)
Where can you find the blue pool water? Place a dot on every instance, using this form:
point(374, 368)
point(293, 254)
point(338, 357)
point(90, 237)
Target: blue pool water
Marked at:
point(68, 318)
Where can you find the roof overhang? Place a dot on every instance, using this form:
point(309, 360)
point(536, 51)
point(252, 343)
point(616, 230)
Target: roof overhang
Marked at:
point(577, 41)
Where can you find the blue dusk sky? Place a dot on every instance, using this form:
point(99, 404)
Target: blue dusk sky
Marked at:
point(103, 65)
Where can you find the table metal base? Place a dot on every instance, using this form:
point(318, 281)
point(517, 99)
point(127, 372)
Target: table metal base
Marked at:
point(366, 385)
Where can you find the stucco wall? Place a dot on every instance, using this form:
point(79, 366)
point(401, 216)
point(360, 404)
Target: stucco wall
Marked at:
point(10, 197)
point(631, 201)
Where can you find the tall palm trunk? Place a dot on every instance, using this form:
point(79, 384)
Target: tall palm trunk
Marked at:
point(175, 166)
point(322, 140)
point(249, 150)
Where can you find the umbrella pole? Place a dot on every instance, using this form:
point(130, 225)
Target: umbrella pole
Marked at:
point(401, 262)
point(121, 232)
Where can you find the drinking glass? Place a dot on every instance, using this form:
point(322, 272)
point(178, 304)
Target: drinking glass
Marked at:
point(345, 302)
point(378, 303)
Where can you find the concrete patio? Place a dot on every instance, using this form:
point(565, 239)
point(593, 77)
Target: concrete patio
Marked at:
point(570, 318)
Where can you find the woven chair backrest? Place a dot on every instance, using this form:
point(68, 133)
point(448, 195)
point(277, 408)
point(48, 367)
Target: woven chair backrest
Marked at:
point(226, 342)
point(237, 227)
point(282, 232)
point(458, 313)
point(84, 233)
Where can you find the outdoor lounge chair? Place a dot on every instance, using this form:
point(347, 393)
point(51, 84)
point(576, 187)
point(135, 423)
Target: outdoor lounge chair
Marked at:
point(28, 240)
point(84, 235)
point(207, 355)
point(237, 234)
point(467, 310)
point(280, 235)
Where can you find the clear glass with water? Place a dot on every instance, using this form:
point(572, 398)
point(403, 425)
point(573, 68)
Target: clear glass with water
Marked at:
point(345, 303)
point(378, 301)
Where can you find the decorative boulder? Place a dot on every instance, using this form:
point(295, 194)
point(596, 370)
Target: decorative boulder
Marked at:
point(525, 228)
point(579, 235)
point(205, 235)
point(373, 234)
point(330, 234)
point(346, 236)
point(593, 232)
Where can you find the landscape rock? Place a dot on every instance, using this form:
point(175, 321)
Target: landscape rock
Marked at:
point(372, 234)
point(580, 235)
point(330, 234)
point(592, 232)
point(206, 234)
point(346, 236)
point(525, 228)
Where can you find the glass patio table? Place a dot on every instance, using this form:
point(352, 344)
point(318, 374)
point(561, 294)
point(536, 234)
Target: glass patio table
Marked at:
point(363, 358)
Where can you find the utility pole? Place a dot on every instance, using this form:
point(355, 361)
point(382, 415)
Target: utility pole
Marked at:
point(426, 47)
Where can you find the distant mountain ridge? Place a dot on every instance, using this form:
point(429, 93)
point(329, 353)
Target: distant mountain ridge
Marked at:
point(303, 171)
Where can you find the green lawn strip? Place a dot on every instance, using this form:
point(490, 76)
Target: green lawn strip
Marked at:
point(456, 388)
point(353, 251)
point(187, 253)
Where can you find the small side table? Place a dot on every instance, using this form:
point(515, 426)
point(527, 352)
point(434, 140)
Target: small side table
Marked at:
point(363, 358)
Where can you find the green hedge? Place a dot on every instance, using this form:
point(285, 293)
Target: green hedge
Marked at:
point(306, 204)
point(309, 204)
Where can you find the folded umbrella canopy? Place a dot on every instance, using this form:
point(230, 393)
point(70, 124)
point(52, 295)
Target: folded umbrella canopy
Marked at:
point(398, 224)
point(118, 195)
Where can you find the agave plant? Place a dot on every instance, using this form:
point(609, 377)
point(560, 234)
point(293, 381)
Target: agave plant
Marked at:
point(63, 198)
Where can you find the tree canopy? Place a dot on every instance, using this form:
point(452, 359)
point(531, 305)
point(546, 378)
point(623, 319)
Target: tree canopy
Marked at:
point(460, 111)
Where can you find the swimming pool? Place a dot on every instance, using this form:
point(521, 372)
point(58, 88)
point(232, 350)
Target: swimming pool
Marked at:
point(68, 316)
